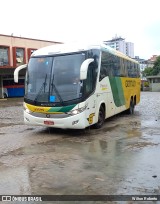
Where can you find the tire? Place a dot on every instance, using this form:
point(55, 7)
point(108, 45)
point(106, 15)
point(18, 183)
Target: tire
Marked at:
point(131, 108)
point(101, 118)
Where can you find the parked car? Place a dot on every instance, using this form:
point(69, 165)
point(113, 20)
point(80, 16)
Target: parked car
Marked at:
point(4, 92)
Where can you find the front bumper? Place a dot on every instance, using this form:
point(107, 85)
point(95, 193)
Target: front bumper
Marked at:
point(78, 121)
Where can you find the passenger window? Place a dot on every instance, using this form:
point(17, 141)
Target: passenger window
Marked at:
point(116, 66)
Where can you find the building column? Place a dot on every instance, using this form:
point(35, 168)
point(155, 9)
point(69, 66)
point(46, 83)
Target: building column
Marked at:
point(151, 84)
point(1, 87)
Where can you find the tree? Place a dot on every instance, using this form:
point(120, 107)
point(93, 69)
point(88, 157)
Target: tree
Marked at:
point(147, 72)
point(156, 67)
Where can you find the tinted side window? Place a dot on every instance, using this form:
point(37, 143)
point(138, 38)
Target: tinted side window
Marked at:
point(116, 66)
point(104, 66)
point(110, 65)
point(122, 67)
point(133, 70)
point(129, 68)
point(137, 70)
point(107, 62)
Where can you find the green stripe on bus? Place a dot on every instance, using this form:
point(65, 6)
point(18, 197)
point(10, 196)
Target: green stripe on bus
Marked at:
point(54, 109)
point(117, 90)
point(67, 108)
point(61, 109)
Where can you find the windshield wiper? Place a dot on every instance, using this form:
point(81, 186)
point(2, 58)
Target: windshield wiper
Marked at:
point(56, 91)
point(41, 88)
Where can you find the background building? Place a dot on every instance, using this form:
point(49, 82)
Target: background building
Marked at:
point(151, 61)
point(143, 65)
point(121, 45)
point(154, 83)
point(15, 51)
point(130, 49)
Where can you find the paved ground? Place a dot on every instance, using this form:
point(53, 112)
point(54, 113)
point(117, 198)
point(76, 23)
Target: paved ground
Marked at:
point(121, 158)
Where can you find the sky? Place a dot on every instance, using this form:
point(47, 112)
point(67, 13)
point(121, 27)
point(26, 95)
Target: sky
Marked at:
point(138, 21)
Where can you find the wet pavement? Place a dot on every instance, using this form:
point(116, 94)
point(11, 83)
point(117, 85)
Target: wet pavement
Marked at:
point(120, 158)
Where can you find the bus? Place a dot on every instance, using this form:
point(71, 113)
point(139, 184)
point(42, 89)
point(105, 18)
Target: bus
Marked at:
point(78, 85)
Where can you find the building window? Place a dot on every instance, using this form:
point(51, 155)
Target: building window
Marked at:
point(30, 51)
point(4, 56)
point(19, 56)
point(156, 80)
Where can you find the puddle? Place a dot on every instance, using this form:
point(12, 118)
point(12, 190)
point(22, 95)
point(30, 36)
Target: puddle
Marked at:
point(1, 163)
point(85, 165)
point(108, 129)
point(15, 181)
point(133, 133)
point(31, 150)
point(140, 145)
point(6, 124)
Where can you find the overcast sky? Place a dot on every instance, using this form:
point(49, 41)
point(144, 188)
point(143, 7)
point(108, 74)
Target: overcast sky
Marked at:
point(137, 21)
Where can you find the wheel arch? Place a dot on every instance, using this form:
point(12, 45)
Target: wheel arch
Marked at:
point(135, 100)
point(102, 103)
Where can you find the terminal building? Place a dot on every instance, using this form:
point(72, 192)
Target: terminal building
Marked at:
point(15, 51)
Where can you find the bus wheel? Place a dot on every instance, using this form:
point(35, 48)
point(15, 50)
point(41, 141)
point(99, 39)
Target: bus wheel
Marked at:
point(101, 118)
point(131, 108)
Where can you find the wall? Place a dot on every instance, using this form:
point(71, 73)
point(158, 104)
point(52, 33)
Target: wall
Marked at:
point(155, 86)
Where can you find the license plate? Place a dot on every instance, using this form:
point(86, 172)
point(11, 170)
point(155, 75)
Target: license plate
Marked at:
point(46, 122)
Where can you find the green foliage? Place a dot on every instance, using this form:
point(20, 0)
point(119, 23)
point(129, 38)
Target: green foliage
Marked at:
point(156, 67)
point(147, 72)
point(146, 84)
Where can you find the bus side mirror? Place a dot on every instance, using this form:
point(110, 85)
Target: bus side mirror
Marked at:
point(16, 72)
point(84, 68)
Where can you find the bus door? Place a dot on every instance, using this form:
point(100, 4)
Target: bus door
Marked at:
point(110, 105)
point(90, 85)
point(104, 94)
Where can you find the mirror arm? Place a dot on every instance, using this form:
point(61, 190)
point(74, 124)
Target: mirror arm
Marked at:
point(84, 68)
point(16, 72)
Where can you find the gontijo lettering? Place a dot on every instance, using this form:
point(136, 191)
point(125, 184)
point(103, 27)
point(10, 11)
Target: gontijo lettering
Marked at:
point(130, 83)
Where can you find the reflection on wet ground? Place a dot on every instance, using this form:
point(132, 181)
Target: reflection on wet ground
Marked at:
point(121, 158)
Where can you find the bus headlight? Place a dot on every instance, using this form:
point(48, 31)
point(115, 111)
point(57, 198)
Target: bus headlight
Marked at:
point(26, 109)
point(77, 111)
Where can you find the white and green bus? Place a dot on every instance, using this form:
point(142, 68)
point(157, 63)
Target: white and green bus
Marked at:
point(76, 86)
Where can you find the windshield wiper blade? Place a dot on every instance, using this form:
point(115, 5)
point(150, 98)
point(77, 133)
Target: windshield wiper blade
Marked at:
point(56, 91)
point(41, 88)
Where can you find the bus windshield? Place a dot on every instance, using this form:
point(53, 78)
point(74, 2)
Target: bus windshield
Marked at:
point(54, 79)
